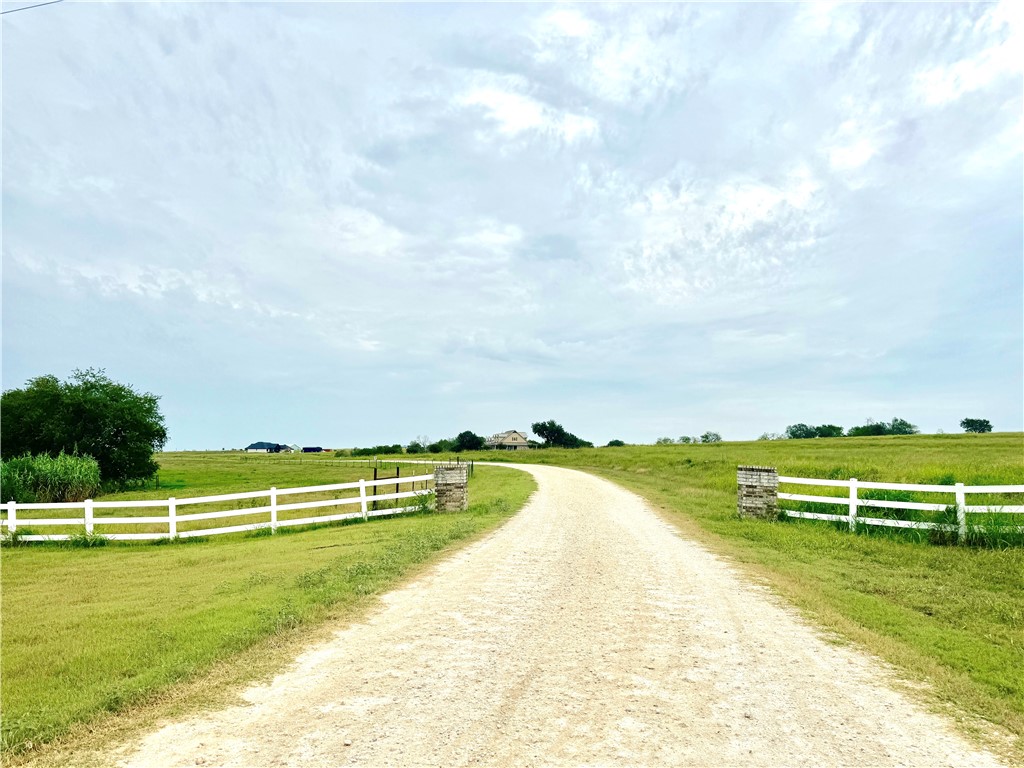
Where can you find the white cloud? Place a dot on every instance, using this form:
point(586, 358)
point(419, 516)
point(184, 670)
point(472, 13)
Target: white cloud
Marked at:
point(516, 113)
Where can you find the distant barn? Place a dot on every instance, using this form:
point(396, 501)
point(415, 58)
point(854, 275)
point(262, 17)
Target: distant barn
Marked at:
point(313, 449)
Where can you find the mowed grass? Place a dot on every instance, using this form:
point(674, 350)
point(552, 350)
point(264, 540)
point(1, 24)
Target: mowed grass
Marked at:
point(950, 616)
point(88, 632)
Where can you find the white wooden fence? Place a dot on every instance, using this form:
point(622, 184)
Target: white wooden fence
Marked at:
point(853, 503)
point(91, 520)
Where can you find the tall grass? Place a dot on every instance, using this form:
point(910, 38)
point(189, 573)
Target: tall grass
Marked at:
point(49, 479)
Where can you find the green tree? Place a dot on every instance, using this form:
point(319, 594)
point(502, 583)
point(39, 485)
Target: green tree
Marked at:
point(902, 427)
point(415, 447)
point(468, 441)
point(615, 444)
point(88, 415)
point(828, 430)
point(664, 441)
point(976, 425)
point(711, 437)
point(800, 432)
point(555, 436)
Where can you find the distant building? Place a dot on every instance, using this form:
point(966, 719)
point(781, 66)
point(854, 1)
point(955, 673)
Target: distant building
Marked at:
point(507, 441)
point(313, 449)
point(294, 448)
point(265, 448)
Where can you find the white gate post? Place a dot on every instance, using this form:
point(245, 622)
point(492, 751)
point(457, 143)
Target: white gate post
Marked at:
point(853, 504)
point(172, 517)
point(88, 516)
point(961, 513)
point(12, 516)
point(273, 510)
point(362, 496)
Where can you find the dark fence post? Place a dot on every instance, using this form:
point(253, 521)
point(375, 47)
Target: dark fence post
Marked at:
point(757, 492)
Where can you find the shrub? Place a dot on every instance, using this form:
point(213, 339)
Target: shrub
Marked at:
point(47, 479)
point(615, 444)
point(88, 415)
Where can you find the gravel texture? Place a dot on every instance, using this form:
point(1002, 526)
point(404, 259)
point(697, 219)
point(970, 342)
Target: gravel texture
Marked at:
point(584, 631)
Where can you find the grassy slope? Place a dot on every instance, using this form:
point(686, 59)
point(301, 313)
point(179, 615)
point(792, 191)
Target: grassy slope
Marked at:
point(951, 616)
point(91, 631)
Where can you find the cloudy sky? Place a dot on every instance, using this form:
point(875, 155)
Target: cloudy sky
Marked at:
point(350, 224)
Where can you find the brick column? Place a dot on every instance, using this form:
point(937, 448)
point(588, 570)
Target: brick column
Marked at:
point(450, 483)
point(757, 491)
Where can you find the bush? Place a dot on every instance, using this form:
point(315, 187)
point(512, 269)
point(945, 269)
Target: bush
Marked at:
point(88, 415)
point(378, 450)
point(615, 444)
point(46, 479)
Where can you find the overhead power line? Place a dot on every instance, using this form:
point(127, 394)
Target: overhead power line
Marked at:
point(27, 7)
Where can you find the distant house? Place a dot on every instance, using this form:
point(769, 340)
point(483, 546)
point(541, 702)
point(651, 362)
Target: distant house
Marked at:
point(313, 449)
point(507, 441)
point(265, 448)
point(294, 448)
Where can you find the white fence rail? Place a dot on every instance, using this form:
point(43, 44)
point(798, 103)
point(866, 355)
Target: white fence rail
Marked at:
point(853, 503)
point(15, 519)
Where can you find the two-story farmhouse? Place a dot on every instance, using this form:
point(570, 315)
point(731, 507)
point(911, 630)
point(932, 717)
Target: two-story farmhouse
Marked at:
point(507, 441)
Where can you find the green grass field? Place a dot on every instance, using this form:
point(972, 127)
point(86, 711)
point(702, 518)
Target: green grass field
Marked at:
point(93, 631)
point(949, 616)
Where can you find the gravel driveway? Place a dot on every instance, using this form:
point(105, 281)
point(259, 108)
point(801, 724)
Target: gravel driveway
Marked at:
point(584, 631)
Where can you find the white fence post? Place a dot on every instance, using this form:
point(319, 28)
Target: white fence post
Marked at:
point(961, 513)
point(172, 517)
point(273, 510)
point(88, 516)
point(362, 496)
point(12, 516)
point(853, 504)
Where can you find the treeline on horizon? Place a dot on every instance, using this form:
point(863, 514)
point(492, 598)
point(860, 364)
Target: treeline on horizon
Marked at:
point(871, 429)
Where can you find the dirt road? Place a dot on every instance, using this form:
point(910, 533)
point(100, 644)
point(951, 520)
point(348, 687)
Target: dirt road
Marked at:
point(585, 631)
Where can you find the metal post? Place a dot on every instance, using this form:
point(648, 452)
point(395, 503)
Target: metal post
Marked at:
point(273, 510)
point(172, 517)
point(961, 513)
point(853, 504)
point(88, 516)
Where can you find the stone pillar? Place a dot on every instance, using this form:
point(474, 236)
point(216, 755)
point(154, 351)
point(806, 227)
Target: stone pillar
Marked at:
point(450, 484)
point(757, 497)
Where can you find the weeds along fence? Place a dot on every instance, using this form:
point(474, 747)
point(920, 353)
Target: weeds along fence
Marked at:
point(372, 498)
point(893, 505)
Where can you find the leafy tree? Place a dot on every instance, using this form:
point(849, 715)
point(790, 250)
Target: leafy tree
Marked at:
point(664, 441)
point(902, 427)
point(441, 446)
point(875, 428)
point(88, 415)
point(615, 444)
point(828, 430)
point(976, 425)
point(800, 432)
point(871, 429)
point(555, 436)
point(468, 441)
point(415, 447)
point(684, 440)
point(771, 436)
point(711, 437)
